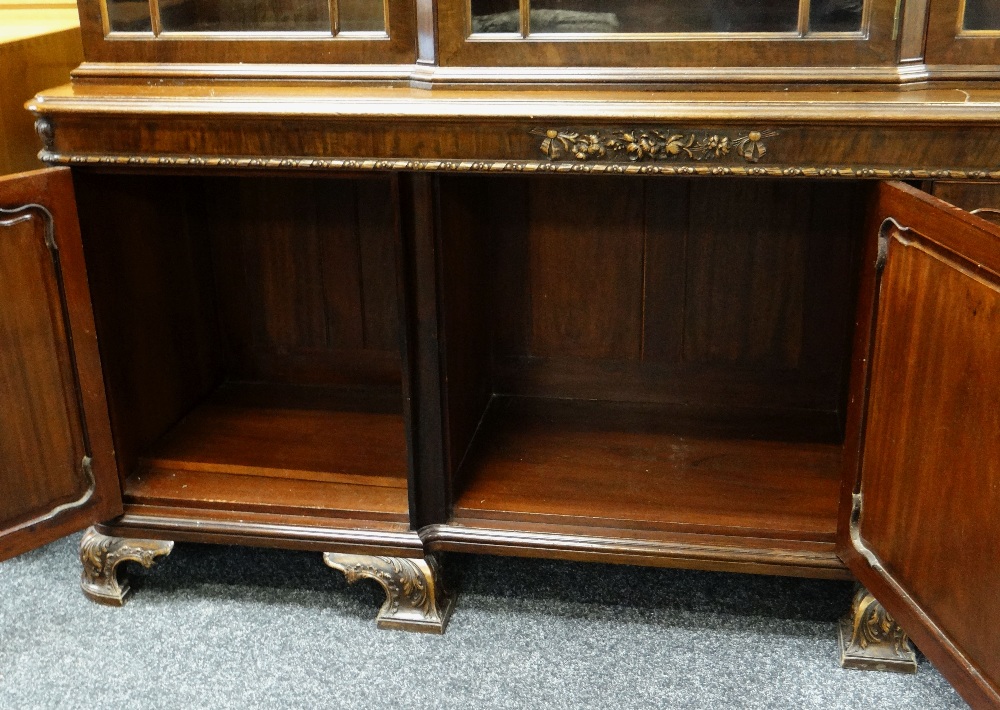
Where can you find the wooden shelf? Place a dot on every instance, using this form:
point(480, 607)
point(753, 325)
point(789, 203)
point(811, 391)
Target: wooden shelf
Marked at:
point(282, 448)
point(642, 467)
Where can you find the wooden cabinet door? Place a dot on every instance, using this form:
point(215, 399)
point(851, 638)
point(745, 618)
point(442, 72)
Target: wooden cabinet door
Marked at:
point(57, 466)
point(920, 519)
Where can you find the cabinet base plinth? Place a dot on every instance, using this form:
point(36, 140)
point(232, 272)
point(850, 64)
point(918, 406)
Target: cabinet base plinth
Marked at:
point(415, 598)
point(101, 554)
point(871, 640)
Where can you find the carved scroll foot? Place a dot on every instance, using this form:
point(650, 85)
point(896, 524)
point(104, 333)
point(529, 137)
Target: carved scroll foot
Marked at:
point(870, 639)
point(415, 599)
point(101, 555)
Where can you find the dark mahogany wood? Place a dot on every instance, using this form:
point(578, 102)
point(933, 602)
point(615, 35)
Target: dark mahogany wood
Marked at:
point(639, 467)
point(502, 331)
point(467, 251)
point(305, 278)
point(630, 329)
point(150, 278)
point(252, 330)
point(430, 488)
point(973, 197)
point(703, 294)
point(57, 462)
point(284, 431)
point(918, 134)
point(726, 553)
point(161, 486)
point(275, 280)
point(921, 530)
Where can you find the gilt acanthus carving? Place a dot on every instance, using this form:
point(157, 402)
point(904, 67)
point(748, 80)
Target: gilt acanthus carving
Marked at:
point(101, 554)
point(649, 144)
point(415, 599)
point(874, 625)
point(871, 639)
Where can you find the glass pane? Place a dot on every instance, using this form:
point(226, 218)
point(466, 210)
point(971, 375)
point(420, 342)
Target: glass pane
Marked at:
point(664, 16)
point(495, 16)
point(982, 15)
point(129, 16)
point(361, 15)
point(835, 15)
point(244, 15)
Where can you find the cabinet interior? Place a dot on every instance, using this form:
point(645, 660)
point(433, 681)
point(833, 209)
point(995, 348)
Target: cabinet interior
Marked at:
point(649, 354)
point(249, 332)
point(627, 353)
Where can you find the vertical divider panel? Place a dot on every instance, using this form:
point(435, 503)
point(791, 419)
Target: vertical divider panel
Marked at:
point(423, 403)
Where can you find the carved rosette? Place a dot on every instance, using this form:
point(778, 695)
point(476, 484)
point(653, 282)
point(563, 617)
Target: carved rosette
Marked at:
point(101, 555)
point(870, 639)
point(649, 144)
point(415, 599)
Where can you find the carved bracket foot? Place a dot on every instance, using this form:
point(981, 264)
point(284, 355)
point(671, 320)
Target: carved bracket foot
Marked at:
point(101, 555)
point(870, 639)
point(415, 599)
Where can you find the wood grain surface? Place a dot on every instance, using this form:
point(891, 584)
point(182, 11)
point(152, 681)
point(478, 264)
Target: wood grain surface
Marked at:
point(615, 465)
point(924, 538)
point(286, 431)
point(54, 427)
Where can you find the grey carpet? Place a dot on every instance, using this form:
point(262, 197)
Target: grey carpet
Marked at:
point(215, 627)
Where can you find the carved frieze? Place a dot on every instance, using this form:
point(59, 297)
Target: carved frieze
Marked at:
point(650, 144)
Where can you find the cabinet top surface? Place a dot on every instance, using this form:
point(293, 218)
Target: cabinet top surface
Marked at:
point(304, 100)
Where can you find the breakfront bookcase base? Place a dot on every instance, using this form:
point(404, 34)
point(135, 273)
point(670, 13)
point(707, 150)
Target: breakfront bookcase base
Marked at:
point(630, 286)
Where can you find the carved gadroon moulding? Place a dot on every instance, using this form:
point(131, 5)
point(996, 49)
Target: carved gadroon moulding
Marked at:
point(415, 599)
point(101, 555)
point(649, 144)
point(870, 639)
point(520, 167)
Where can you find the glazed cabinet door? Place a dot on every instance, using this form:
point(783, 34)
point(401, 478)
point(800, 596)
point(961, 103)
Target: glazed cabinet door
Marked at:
point(813, 34)
point(57, 466)
point(920, 519)
point(193, 35)
point(963, 32)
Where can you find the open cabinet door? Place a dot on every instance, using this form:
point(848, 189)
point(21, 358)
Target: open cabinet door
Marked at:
point(920, 518)
point(57, 466)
